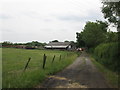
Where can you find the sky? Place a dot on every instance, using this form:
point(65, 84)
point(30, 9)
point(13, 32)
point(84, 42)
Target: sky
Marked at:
point(46, 20)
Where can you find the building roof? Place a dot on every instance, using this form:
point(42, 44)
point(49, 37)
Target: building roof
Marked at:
point(57, 45)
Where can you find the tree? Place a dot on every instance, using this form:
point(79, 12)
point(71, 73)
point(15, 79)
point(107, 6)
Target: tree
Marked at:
point(94, 33)
point(6, 43)
point(35, 43)
point(112, 36)
point(102, 25)
point(55, 41)
point(80, 42)
point(111, 11)
point(66, 41)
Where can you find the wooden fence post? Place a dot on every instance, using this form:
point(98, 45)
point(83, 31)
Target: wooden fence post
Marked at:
point(27, 64)
point(53, 59)
point(60, 57)
point(44, 61)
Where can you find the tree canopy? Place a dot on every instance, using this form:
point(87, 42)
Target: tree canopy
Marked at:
point(93, 34)
point(111, 11)
point(80, 42)
point(55, 41)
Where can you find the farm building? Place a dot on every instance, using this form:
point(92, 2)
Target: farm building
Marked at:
point(60, 45)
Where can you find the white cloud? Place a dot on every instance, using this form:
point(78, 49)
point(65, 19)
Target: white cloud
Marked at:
point(46, 20)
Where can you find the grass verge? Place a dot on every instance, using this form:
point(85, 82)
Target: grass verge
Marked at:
point(111, 77)
point(14, 60)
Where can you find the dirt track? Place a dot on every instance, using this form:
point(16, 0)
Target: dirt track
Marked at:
point(81, 74)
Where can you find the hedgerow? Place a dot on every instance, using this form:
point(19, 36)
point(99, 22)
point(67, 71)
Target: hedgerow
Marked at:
point(108, 55)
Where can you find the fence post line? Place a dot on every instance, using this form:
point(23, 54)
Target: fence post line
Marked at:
point(44, 60)
point(53, 58)
point(27, 63)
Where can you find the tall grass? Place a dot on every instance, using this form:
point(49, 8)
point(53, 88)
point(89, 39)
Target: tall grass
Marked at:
point(108, 54)
point(14, 61)
point(111, 77)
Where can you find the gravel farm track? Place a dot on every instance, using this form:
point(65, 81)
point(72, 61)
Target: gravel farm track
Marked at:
point(81, 74)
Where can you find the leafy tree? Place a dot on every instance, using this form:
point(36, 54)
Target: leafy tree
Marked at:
point(55, 41)
point(112, 36)
point(35, 43)
point(66, 41)
point(6, 43)
point(94, 33)
point(69, 41)
point(80, 42)
point(102, 25)
point(111, 11)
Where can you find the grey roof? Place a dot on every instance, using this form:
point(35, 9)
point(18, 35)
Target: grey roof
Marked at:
point(59, 43)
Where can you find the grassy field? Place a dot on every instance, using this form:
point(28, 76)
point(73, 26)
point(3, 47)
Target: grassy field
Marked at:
point(14, 60)
point(110, 76)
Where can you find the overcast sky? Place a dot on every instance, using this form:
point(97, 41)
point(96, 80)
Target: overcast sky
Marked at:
point(46, 20)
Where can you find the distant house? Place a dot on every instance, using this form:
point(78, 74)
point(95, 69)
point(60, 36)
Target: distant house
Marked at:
point(59, 45)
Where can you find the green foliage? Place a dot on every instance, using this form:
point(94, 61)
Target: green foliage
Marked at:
point(94, 33)
point(108, 55)
point(111, 11)
point(66, 41)
point(110, 76)
point(35, 43)
point(55, 41)
point(14, 61)
point(6, 43)
point(91, 50)
point(80, 42)
point(29, 44)
point(111, 36)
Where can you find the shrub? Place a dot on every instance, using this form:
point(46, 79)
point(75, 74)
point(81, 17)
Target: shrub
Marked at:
point(108, 55)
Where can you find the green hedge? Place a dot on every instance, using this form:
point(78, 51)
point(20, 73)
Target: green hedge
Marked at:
point(108, 55)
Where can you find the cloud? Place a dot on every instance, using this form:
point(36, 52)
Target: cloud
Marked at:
point(4, 16)
point(44, 20)
point(91, 16)
point(7, 30)
point(32, 14)
point(69, 18)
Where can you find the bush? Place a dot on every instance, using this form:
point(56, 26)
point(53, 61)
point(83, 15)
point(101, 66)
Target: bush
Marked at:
point(108, 55)
point(91, 50)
